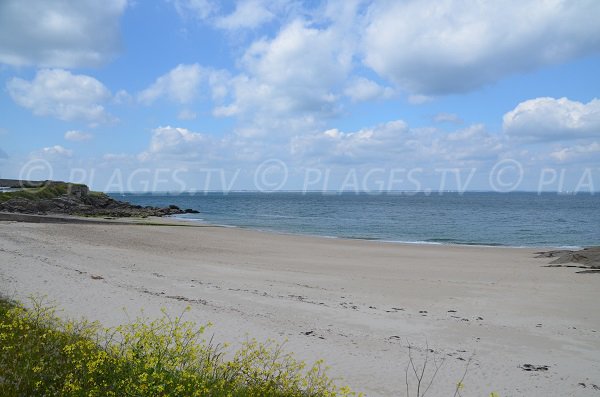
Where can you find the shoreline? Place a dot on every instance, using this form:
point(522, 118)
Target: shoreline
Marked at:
point(350, 302)
point(424, 243)
point(175, 220)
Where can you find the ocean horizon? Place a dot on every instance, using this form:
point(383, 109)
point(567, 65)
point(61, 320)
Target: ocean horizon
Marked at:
point(515, 219)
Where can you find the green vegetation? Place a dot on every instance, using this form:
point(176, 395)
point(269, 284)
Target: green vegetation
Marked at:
point(48, 191)
point(96, 194)
point(42, 355)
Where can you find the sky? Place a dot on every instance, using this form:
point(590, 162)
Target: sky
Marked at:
point(198, 95)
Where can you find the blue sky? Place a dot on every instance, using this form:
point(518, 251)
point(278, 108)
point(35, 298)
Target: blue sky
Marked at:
point(334, 95)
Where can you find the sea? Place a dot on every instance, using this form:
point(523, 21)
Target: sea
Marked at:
point(516, 219)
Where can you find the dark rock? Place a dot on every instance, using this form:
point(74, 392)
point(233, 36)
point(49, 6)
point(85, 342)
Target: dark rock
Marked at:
point(18, 184)
point(191, 211)
point(587, 257)
point(535, 368)
point(74, 199)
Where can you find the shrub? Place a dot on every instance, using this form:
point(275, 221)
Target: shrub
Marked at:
point(44, 355)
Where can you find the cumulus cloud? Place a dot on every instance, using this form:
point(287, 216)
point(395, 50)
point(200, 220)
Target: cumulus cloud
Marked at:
point(179, 85)
point(200, 9)
point(61, 94)
point(418, 99)
point(248, 14)
point(59, 33)
point(181, 147)
point(548, 119)
point(444, 117)
point(175, 143)
point(122, 97)
point(399, 144)
point(578, 152)
point(300, 66)
point(359, 146)
point(473, 143)
point(54, 151)
point(295, 76)
point(445, 47)
point(77, 136)
point(361, 89)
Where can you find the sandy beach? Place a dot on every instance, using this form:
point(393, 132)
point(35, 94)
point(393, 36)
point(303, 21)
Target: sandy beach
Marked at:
point(356, 304)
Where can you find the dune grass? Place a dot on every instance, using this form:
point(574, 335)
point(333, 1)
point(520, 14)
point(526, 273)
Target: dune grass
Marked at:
point(40, 354)
point(47, 191)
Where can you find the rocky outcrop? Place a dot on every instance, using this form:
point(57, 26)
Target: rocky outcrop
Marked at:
point(73, 199)
point(587, 258)
point(17, 183)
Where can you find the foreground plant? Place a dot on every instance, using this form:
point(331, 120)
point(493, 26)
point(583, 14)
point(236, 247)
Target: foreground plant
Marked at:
point(41, 354)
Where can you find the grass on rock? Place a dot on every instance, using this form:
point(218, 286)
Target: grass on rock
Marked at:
point(48, 191)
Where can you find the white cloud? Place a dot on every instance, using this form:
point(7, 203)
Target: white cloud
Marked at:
point(396, 143)
point(78, 136)
point(293, 77)
point(180, 85)
point(122, 97)
point(56, 151)
point(218, 82)
point(176, 146)
point(473, 143)
point(361, 89)
point(176, 143)
point(61, 94)
point(445, 47)
point(444, 117)
point(418, 99)
point(578, 152)
point(300, 67)
point(59, 33)
point(553, 119)
point(248, 14)
point(200, 9)
point(357, 147)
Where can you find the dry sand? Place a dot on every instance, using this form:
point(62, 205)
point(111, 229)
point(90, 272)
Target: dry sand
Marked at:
point(353, 303)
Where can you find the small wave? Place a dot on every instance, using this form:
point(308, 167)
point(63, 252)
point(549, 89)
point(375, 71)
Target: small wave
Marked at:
point(188, 219)
point(412, 242)
point(350, 237)
point(275, 216)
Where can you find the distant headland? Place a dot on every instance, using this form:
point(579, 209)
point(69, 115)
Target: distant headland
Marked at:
point(57, 197)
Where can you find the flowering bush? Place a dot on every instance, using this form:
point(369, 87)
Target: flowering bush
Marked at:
point(41, 354)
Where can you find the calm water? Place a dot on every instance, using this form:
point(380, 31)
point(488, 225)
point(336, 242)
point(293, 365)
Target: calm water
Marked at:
point(507, 219)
